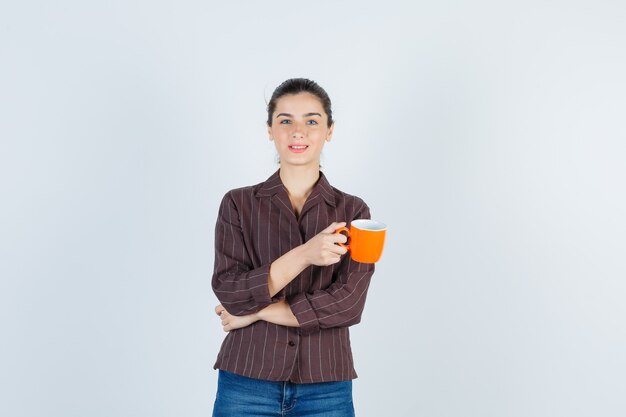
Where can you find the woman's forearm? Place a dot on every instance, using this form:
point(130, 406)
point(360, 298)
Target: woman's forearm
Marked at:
point(279, 313)
point(284, 269)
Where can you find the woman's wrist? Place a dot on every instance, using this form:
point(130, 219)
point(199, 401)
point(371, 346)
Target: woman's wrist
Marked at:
point(259, 315)
point(269, 311)
point(278, 313)
point(286, 268)
point(303, 255)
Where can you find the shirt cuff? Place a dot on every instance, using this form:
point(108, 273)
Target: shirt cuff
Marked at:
point(259, 285)
point(302, 309)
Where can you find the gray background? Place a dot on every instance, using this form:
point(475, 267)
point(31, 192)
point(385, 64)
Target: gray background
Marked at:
point(490, 137)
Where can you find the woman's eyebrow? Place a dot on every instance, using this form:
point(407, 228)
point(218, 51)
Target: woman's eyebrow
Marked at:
point(304, 115)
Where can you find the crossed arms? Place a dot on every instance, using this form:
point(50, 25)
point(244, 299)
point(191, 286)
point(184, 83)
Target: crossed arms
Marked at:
point(250, 294)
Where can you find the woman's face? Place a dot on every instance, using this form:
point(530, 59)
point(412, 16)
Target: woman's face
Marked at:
point(299, 129)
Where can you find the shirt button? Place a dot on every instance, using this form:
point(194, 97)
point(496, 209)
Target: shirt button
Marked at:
point(291, 343)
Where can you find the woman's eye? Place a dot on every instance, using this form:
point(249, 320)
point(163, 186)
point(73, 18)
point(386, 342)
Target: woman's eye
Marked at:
point(286, 121)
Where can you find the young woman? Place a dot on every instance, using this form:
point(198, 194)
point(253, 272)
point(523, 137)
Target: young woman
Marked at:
point(288, 294)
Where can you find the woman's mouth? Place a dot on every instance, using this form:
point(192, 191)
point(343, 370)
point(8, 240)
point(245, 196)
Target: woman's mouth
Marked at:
point(298, 148)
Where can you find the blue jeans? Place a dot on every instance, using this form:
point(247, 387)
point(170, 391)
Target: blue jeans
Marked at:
point(240, 396)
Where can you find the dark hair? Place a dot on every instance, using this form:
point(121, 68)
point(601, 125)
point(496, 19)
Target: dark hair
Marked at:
point(295, 86)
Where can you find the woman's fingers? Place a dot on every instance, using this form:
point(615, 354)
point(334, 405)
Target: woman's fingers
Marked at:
point(333, 226)
point(338, 250)
point(338, 238)
point(221, 311)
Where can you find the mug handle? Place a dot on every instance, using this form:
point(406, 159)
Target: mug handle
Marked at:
point(343, 229)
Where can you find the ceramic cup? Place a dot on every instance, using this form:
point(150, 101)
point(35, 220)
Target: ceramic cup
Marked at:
point(366, 240)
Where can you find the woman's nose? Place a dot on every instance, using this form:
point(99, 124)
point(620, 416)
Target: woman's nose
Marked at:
point(298, 131)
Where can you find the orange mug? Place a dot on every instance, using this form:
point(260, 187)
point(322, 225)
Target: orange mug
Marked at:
point(367, 238)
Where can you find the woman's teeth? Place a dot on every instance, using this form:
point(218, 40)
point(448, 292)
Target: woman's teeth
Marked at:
point(298, 148)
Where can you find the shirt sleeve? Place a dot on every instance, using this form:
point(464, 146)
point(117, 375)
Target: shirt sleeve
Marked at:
point(240, 287)
point(342, 303)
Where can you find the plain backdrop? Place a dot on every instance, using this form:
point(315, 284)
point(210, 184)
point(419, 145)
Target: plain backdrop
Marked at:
point(488, 135)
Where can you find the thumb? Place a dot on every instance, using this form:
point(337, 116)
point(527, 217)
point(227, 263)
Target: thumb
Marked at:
point(334, 226)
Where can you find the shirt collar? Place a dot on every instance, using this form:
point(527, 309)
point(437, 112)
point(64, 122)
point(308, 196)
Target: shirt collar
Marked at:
point(274, 185)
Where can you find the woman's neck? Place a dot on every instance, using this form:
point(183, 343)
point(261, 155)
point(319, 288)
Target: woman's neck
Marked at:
point(299, 180)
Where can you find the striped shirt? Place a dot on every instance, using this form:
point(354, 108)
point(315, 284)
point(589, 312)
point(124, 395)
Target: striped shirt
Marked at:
point(255, 226)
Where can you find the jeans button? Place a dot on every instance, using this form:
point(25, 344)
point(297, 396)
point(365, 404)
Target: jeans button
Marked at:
point(291, 343)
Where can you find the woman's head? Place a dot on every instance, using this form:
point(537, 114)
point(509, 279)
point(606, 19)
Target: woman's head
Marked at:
point(295, 86)
point(299, 122)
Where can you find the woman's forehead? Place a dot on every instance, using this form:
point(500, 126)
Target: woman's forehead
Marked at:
point(300, 101)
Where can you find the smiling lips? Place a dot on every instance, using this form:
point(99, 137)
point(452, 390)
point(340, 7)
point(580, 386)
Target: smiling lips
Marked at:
point(298, 148)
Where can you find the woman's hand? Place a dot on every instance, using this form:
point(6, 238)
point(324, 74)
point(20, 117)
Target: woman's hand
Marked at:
point(231, 322)
point(321, 249)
